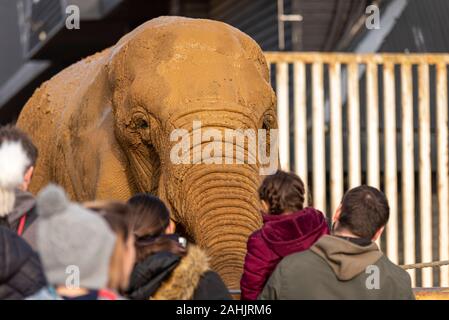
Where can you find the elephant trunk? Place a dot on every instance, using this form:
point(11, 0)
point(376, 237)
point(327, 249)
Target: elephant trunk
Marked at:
point(222, 211)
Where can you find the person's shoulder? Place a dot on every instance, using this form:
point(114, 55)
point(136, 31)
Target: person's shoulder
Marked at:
point(255, 235)
point(299, 256)
point(32, 214)
point(393, 270)
point(255, 239)
point(214, 279)
point(395, 278)
point(211, 287)
point(390, 265)
point(299, 260)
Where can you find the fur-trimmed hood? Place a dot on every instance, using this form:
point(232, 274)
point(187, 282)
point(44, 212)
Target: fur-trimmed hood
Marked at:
point(185, 278)
point(166, 276)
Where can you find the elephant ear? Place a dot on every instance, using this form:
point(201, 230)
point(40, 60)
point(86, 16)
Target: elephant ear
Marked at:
point(82, 123)
point(118, 77)
point(143, 170)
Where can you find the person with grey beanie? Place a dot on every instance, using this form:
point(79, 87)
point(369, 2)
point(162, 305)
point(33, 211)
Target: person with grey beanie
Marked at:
point(75, 246)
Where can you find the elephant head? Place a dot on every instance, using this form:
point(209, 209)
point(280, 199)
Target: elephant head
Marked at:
point(167, 74)
point(104, 128)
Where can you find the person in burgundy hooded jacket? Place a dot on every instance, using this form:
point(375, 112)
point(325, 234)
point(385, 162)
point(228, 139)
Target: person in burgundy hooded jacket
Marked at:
point(287, 228)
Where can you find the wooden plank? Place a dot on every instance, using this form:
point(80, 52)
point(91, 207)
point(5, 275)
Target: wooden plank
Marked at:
point(372, 123)
point(408, 168)
point(391, 161)
point(318, 137)
point(425, 173)
point(283, 114)
point(360, 58)
point(442, 170)
point(300, 118)
point(336, 136)
point(355, 172)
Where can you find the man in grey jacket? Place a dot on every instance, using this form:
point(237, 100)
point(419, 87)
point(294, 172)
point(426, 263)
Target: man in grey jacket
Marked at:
point(347, 264)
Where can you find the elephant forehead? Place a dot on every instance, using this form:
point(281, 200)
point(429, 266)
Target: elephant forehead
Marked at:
point(174, 63)
point(178, 34)
point(221, 80)
point(209, 36)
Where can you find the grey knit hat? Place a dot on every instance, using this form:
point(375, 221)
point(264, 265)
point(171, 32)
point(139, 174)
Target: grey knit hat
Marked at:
point(72, 239)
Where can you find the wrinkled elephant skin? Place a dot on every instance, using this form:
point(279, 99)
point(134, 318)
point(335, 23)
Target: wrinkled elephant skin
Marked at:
point(103, 127)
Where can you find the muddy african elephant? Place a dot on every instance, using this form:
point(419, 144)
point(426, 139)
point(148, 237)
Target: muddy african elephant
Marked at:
point(103, 127)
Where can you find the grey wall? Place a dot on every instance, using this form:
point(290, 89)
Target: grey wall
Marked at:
point(10, 47)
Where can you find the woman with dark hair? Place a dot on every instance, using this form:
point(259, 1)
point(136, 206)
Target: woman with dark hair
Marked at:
point(287, 228)
point(167, 268)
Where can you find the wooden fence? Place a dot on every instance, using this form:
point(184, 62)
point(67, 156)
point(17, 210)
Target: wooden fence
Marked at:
point(379, 119)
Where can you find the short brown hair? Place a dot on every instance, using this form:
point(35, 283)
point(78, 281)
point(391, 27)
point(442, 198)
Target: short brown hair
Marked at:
point(283, 192)
point(364, 210)
point(12, 133)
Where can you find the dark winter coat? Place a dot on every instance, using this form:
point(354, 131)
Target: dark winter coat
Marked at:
point(24, 205)
point(335, 268)
point(167, 276)
point(280, 236)
point(21, 273)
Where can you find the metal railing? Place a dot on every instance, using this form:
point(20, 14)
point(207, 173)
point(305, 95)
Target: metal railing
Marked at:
point(420, 293)
point(322, 100)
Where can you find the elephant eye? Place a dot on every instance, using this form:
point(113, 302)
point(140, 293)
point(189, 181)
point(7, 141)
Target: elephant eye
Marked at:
point(142, 124)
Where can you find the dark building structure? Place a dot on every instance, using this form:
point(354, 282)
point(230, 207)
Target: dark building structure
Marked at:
point(36, 43)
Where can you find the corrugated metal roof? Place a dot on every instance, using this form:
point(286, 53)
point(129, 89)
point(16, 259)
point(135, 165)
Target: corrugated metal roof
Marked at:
point(256, 18)
point(422, 27)
point(325, 22)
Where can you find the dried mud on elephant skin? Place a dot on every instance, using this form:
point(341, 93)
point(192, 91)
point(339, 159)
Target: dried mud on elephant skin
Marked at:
point(103, 127)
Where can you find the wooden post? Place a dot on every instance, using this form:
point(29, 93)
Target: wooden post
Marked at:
point(319, 149)
point(300, 114)
point(283, 114)
point(442, 170)
point(425, 173)
point(408, 168)
point(355, 171)
point(336, 136)
point(391, 160)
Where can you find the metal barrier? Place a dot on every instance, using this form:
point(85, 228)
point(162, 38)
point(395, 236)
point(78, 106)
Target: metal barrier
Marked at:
point(420, 294)
point(335, 83)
